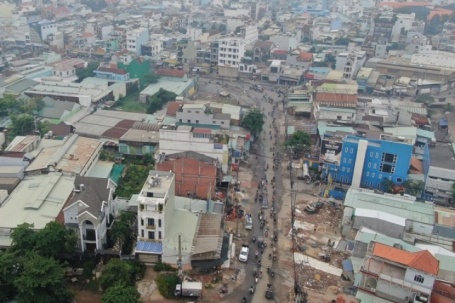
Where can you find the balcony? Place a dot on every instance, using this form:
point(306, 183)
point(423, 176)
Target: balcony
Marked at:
point(151, 227)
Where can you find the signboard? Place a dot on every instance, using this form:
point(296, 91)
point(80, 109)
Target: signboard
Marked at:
point(331, 151)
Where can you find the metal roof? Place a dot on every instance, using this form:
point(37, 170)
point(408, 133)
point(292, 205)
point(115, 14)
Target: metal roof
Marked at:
point(150, 247)
point(390, 204)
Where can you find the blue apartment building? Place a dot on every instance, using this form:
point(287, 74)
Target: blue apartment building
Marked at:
point(366, 162)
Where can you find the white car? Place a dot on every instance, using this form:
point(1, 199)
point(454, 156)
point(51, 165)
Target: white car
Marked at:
point(243, 256)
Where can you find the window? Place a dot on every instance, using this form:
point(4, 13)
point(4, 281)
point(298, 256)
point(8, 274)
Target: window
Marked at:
point(180, 120)
point(151, 235)
point(188, 111)
point(373, 174)
point(368, 173)
point(142, 222)
point(213, 122)
point(151, 222)
point(159, 235)
point(419, 278)
point(380, 176)
point(371, 154)
point(222, 122)
point(377, 155)
point(350, 161)
point(390, 158)
point(197, 112)
point(352, 150)
point(399, 180)
point(346, 150)
point(344, 160)
point(197, 121)
point(343, 169)
point(387, 168)
point(349, 170)
point(339, 117)
point(375, 166)
point(142, 233)
point(159, 222)
point(189, 121)
point(369, 164)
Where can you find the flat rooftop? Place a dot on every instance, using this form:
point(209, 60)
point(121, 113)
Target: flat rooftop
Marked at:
point(441, 156)
point(158, 182)
point(36, 200)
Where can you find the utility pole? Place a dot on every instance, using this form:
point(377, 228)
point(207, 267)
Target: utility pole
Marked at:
point(237, 202)
point(179, 261)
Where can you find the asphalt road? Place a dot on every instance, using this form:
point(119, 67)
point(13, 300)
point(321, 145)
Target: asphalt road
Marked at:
point(262, 149)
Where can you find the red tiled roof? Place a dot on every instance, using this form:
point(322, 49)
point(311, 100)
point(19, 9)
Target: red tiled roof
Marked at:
point(305, 56)
point(191, 175)
point(442, 292)
point(334, 99)
point(416, 165)
point(87, 35)
point(112, 70)
point(422, 260)
point(172, 108)
point(279, 52)
point(176, 73)
point(119, 129)
point(199, 130)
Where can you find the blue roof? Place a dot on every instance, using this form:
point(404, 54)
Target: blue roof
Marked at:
point(347, 265)
point(443, 122)
point(151, 247)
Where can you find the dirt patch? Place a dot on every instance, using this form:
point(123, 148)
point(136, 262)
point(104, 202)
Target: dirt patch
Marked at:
point(85, 296)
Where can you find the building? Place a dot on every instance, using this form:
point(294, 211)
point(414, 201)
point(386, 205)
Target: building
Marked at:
point(209, 142)
point(37, 200)
point(165, 220)
point(262, 50)
point(111, 73)
point(199, 113)
point(142, 140)
point(441, 175)
point(383, 25)
point(392, 274)
point(137, 68)
point(152, 48)
point(90, 211)
point(85, 94)
point(155, 207)
point(402, 25)
point(135, 38)
point(76, 155)
point(350, 63)
point(366, 162)
point(172, 80)
point(24, 144)
point(194, 178)
point(231, 51)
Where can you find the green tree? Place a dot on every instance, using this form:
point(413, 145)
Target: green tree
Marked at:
point(121, 229)
point(8, 104)
point(298, 139)
point(42, 280)
point(54, 240)
point(83, 73)
point(182, 30)
point(166, 284)
point(387, 185)
point(151, 78)
point(22, 124)
point(117, 272)
point(23, 239)
point(425, 98)
point(39, 105)
point(414, 187)
point(253, 121)
point(331, 60)
point(312, 50)
point(342, 41)
point(121, 294)
point(249, 53)
point(158, 100)
point(8, 274)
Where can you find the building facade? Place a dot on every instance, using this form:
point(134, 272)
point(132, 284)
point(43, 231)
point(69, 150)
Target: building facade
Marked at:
point(135, 39)
point(231, 51)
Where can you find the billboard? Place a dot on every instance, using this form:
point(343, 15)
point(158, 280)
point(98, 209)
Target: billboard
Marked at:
point(331, 151)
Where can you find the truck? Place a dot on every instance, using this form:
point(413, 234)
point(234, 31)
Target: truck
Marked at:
point(248, 222)
point(244, 251)
point(188, 289)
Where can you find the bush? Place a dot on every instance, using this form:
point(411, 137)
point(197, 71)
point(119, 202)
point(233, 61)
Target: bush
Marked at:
point(139, 268)
point(158, 267)
point(166, 284)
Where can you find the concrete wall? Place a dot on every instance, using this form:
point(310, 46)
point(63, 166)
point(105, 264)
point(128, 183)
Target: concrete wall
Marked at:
point(383, 227)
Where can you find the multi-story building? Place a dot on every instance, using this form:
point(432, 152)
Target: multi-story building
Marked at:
point(155, 204)
point(152, 48)
point(391, 274)
point(199, 113)
point(231, 51)
point(205, 141)
point(350, 63)
point(441, 175)
point(383, 25)
point(402, 25)
point(364, 162)
point(135, 39)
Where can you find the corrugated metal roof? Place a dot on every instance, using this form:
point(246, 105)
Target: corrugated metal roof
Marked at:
point(150, 247)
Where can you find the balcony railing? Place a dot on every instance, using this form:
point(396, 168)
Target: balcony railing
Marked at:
point(150, 227)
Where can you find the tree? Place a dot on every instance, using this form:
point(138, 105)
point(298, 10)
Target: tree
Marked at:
point(151, 78)
point(425, 98)
point(121, 294)
point(54, 240)
point(22, 124)
point(42, 281)
point(166, 284)
point(331, 60)
point(182, 30)
point(156, 102)
point(39, 105)
point(312, 50)
point(23, 239)
point(117, 272)
point(387, 185)
point(253, 121)
point(414, 187)
point(298, 139)
point(342, 41)
point(121, 229)
point(83, 73)
point(8, 274)
point(249, 53)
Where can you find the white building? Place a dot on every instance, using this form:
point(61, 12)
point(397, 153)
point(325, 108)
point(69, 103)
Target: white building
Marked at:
point(155, 204)
point(231, 51)
point(350, 63)
point(402, 25)
point(89, 211)
point(135, 38)
point(46, 28)
point(194, 33)
point(199, 113)
point(251, 33)
point(201, 140)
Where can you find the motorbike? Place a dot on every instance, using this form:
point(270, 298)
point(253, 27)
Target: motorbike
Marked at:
point(223, 290)
point(251, 289)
